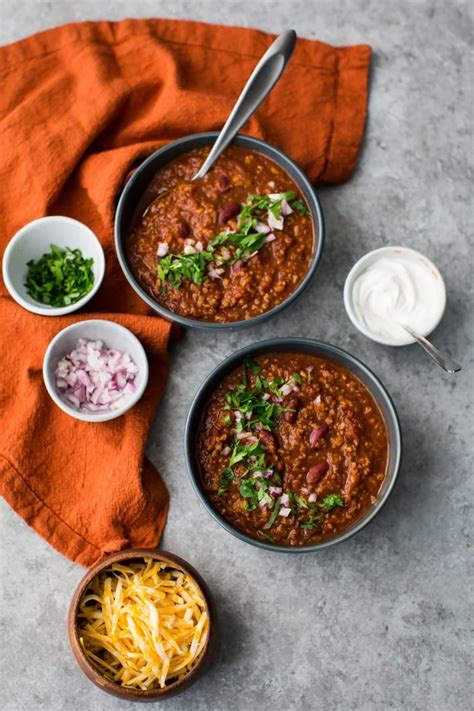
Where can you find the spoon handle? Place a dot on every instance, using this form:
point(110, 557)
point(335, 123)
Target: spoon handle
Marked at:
point(444, 361)
point(261, 82)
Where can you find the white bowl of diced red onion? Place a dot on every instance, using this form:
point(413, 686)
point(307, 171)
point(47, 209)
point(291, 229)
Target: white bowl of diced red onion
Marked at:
point(95, 370)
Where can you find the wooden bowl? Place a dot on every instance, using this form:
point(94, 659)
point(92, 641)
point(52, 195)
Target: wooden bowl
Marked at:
point(112, 687)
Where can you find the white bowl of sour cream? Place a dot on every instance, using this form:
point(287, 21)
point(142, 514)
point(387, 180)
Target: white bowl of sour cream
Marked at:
point(392, 287)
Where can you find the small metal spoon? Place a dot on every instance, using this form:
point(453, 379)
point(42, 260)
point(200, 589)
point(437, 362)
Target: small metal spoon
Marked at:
point(260, 83)
point(441, 359)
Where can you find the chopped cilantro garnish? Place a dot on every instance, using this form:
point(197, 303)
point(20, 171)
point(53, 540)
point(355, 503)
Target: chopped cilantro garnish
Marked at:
point(251, 365)
point(296, 376)
point(311, 522)
point(60, 277)
point(331, 501)
point(273, 514)
point(240, 243)
point(225, 478)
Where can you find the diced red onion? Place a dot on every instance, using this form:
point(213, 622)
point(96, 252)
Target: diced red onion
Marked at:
point(268, 474)
point(225, 253)
point(256, 474)
point(284, 511)
point(285, 500)
point(95, 378)
point(271, 184)
point(312, 498)
point(275, 491)
point(286, 389)
point(163, 249)
point(266, 396)
point(262, 504)
point(309, 368)
point(216, 273)
point(189, 240)
point(286, 208)
point(248, 415)
point(275, 196)
point(262, 227)
point(199, 246)
point(270, 238)
point(238, 415)
point(317, 400)
point(226, 451)
point(189, 249)
point(274, 222)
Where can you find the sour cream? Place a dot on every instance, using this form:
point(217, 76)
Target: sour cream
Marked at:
point(392, 287)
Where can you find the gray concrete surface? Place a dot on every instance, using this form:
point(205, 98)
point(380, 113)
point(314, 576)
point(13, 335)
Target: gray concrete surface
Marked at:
point(383, 621)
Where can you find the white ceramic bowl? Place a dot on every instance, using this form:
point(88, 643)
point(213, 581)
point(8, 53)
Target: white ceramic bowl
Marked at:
point(366, 261)
point(34, 240)
point(114, 336)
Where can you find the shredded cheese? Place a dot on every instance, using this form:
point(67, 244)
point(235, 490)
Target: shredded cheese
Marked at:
point(143, 625)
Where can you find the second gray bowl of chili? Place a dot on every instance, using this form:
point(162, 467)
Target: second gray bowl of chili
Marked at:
point(226, 251)
point(292, 444)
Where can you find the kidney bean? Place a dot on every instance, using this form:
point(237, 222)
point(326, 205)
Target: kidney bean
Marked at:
point(317, 434)
point(294, 404)
point(315, 473)
point(223, 183)
point(267, 439)
point(184, 228)
point(227, 212)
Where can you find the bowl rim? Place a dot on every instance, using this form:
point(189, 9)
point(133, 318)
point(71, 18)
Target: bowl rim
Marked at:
point(252, 143)
point(292, 344)
point(100, 416)
point(44, 309)
point(354, 273)
point(99, 679)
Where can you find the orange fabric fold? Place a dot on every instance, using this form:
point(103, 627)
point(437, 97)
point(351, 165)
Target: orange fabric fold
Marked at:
point(81, 106)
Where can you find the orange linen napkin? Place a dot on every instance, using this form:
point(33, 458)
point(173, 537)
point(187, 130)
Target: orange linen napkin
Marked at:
point(81, 106)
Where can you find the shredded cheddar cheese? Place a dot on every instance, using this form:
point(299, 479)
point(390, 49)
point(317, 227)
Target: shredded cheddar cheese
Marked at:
point(144, 624)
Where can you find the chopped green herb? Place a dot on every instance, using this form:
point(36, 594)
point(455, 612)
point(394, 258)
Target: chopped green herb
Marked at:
point(60, 277)
point(273, 514)
point(228, 420)
point(296, 376)
point(174, 268)
point(268, 537)
point(301, 502)
point(311, 522)
point(225, 478)
point(331, 501)
point(251, 365)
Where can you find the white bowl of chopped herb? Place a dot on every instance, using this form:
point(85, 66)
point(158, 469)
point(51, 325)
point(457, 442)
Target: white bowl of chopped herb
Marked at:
point(53, 266)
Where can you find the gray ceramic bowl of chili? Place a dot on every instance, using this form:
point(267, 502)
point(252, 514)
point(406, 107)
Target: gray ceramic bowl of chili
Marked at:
point(133, 201)
point(322, 350)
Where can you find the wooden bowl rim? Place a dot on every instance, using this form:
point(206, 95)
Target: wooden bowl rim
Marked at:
point(90, 671)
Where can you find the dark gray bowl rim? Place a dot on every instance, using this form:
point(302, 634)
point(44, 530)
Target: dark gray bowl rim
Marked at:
point(291, 344)
point(277, 156)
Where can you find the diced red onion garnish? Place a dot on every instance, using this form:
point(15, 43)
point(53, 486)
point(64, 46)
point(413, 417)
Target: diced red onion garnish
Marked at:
point(163, 249)
point(95, 378)
point(262, 227)
point(268, 474)
point(309, 368)
point(189, 249)
point(226, 451)
point(256, 473)
point(266, 396)
point(189, 240)
point(216, 273)
point(270, 238)
point(286, 389)
point(238, 415)
point(312, 498)
point(262, 504)
point(285, 500)
point(271, 184)
point(274, 222)
point(275, 196)
point(286, 208)
point(317, 400)
point(275, 491)
point(225, 253)
point(284, 512)
point(248, 415)
point(199, 246)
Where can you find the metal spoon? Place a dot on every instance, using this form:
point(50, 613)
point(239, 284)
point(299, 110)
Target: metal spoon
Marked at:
point(441, 359)
point(261, 82)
